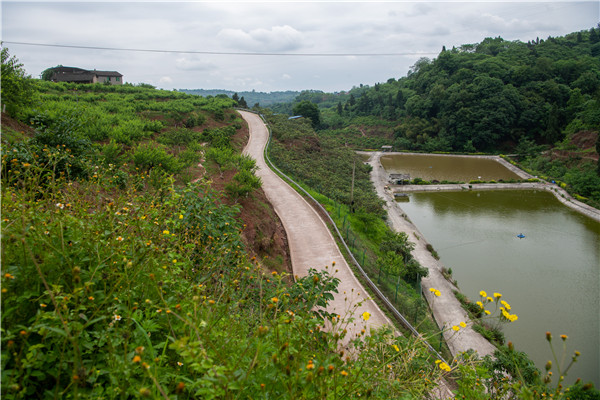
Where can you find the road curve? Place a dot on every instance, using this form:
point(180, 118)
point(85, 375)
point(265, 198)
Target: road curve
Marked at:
point(311, 243)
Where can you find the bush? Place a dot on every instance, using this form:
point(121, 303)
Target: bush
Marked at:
point(147, 156)
point(242, 184)
point(512, 362)
point(178, 137)
point(112, 153)
point(219, 137)
point(129, 131)
point(153, 126)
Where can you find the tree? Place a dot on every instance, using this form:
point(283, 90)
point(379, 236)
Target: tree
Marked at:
point(49, 72)
point(598, 151)
point(594, 38)
point(235, 97)
point(392, 264)
point(242, 102)
point(309, 110)
point(16, 89)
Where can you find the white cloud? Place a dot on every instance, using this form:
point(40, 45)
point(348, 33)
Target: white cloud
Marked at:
point(194, 64)
point(411, 27)
point(278, 38)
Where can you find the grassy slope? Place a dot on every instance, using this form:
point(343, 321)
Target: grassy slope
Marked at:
point(119, 282)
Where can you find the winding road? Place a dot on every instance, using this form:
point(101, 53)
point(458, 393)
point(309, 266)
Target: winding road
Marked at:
point(311, 243)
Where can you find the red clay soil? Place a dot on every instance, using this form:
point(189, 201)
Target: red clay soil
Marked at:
point(585, 142)
point(8, 122)
point(263, 234)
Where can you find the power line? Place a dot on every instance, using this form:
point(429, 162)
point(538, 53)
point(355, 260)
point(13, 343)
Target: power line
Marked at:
point(222, 53)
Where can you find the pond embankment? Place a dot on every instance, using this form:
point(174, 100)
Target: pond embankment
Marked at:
point(562, 195)
point(446, 309)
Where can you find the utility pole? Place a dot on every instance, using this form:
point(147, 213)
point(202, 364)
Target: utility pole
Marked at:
point(352, 190)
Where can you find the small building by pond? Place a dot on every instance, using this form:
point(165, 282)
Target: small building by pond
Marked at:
point(399, 179)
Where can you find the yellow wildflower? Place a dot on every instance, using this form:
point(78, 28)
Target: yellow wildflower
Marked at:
point(366, 315)
point(483, 293)
point(445, 367)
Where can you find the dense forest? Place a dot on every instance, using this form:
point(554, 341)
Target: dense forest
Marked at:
point(540, 99)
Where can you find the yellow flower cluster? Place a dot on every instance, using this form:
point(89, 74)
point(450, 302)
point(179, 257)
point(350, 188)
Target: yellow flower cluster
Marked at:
point(508, 316)
point(504, 309)
point(435, 292)
point(443, 366)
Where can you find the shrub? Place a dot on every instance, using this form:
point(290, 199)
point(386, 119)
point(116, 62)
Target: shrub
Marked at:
point(153, 126)
point(515, 363)
point(147, 156)
point(129, 131)
point(178, 137)
point(219, 137)
point(242, 184)
point(111, 153)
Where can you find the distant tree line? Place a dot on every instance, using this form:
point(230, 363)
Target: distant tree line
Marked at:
point(487, 96)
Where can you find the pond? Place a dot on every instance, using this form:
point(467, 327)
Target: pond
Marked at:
point(445, 167)
point(551, 277)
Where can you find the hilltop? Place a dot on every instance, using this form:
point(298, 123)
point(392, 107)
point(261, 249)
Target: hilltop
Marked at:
point(251, 97)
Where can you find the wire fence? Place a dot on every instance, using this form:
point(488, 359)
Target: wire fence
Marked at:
point(403, 308)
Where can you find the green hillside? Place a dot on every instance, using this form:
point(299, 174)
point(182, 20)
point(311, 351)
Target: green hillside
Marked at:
point(127, 270)
point(540, 99)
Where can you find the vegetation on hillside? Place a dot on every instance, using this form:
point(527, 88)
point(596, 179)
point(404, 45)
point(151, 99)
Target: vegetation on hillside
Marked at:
point(299, 151)
point(124, 277)
point(495, 96)
point(125, 273)
point(489, 95)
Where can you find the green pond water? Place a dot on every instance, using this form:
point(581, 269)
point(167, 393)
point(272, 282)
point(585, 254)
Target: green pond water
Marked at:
point(551, 277)
point(445, 167)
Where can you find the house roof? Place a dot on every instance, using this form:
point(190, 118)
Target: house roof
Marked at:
point(72, 72)
point(77, 77)
point(106, 73)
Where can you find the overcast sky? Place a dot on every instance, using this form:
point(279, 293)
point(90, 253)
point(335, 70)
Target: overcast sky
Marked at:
point(407, 30)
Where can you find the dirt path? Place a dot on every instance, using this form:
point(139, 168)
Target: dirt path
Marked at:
point(310, 241)
point(446, 309)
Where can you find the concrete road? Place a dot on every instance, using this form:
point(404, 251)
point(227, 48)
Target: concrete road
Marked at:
point(311, 243)
point(446, 309)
